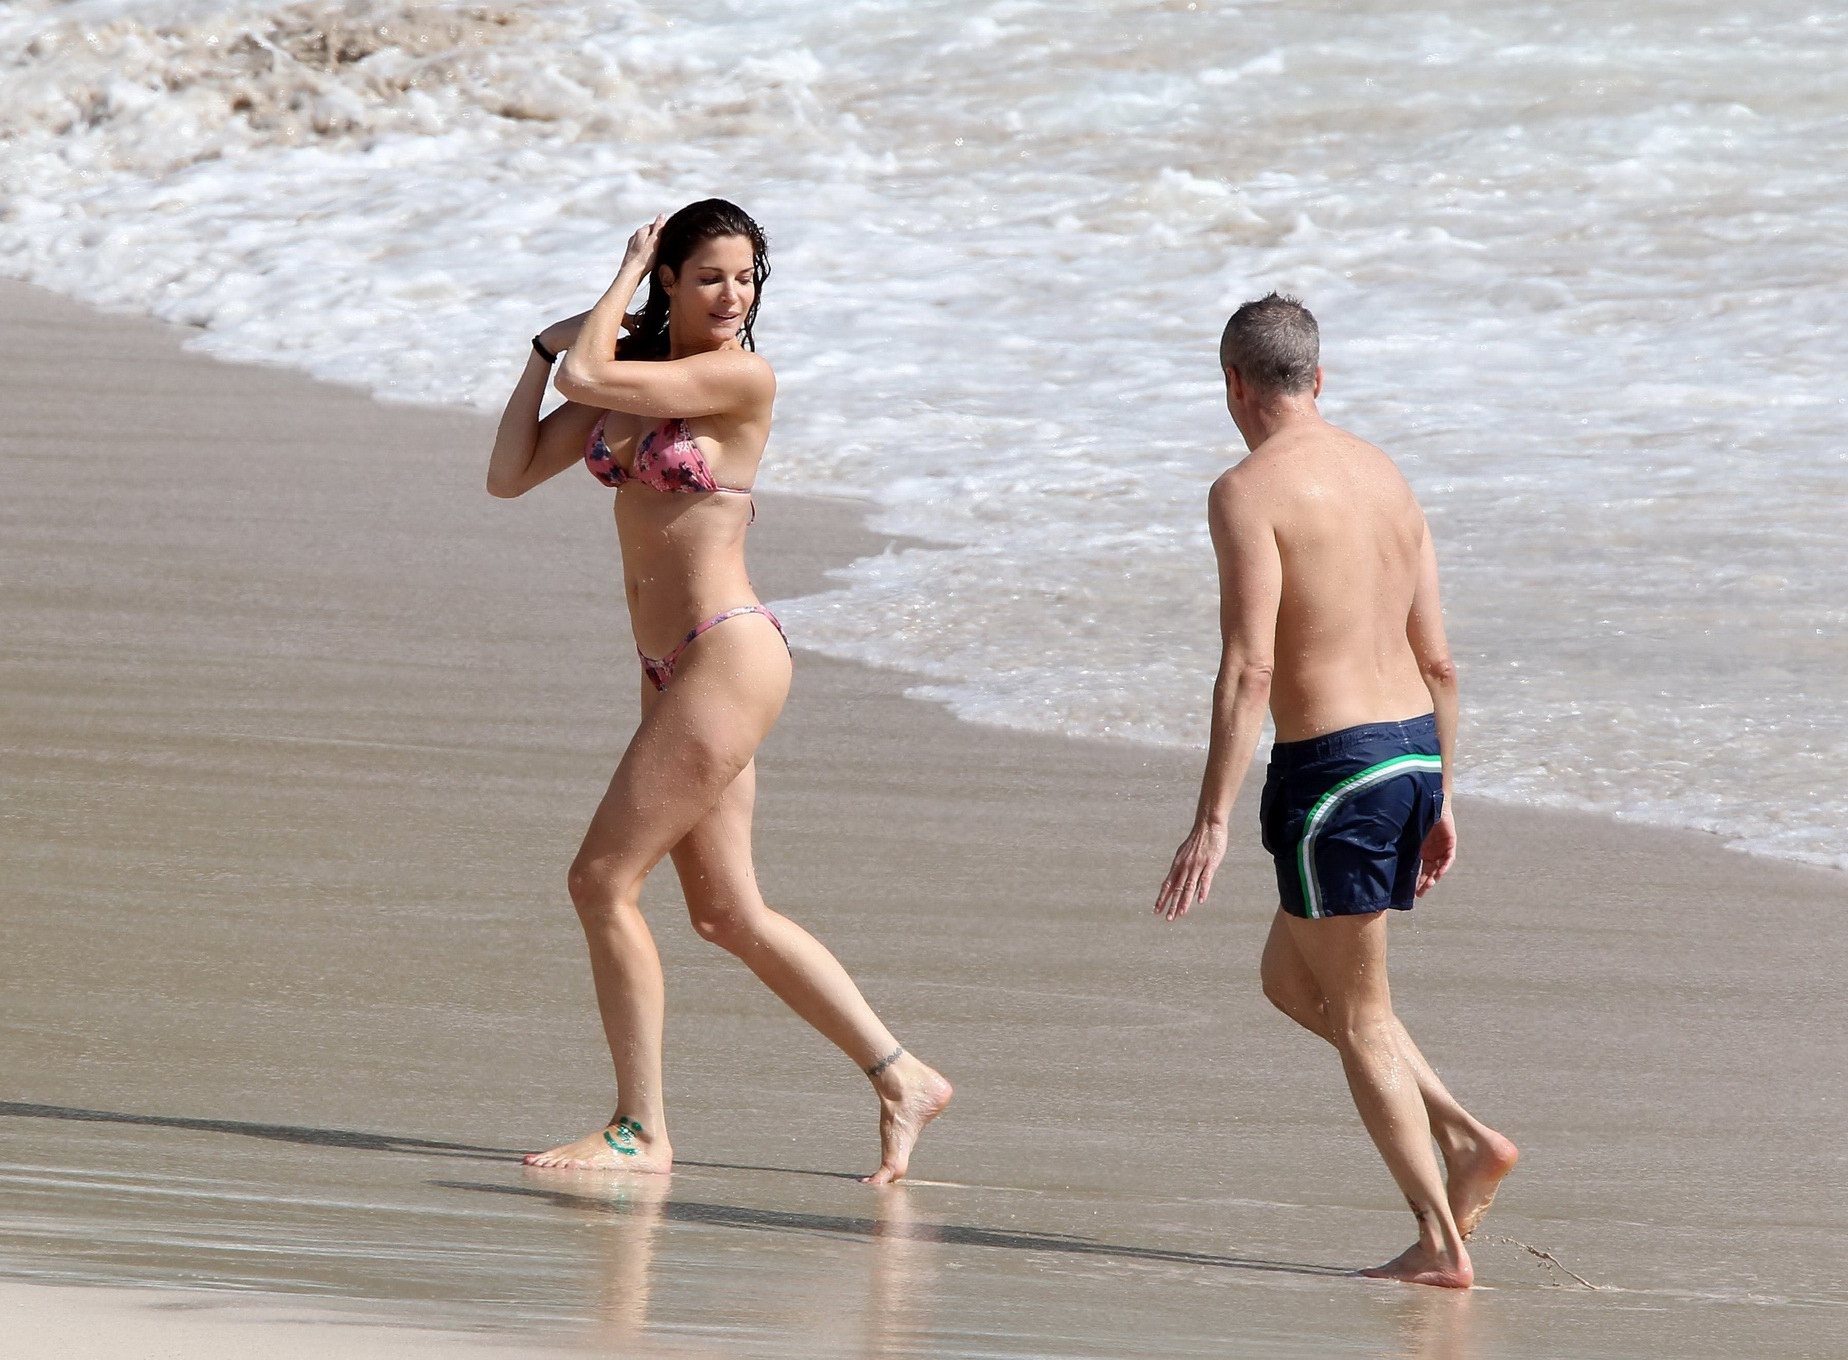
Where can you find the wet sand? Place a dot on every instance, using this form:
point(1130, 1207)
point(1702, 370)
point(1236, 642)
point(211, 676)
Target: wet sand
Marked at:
point(299, 730)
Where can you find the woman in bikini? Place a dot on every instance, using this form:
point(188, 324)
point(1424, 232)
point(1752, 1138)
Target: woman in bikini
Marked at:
point(675, 417)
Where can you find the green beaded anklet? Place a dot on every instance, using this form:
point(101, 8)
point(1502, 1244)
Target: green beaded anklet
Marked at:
point(626, 1130)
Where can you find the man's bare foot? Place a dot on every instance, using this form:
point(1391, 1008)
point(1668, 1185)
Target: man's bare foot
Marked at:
point(1419, 1264)
point(623, 1146)
point(1473, 1172)
point(910, 1096)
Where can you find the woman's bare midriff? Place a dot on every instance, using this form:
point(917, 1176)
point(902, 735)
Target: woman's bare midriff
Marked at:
point(682, 560)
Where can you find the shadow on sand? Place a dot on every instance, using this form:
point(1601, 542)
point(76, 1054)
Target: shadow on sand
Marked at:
point(951, 1234)
point(350, 1139)
point(279, 1133)
point(679, 1211)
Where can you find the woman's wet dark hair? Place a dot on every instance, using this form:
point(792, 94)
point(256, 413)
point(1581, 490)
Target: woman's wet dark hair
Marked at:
point(681, 235)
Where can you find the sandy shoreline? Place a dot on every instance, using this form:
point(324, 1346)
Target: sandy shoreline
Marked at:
point(300, 729)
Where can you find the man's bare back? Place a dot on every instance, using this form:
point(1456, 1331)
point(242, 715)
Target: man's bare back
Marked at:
point(1351, 539)
point(1329, 617)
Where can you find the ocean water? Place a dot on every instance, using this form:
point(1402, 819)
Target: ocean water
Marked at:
point(1580, 270)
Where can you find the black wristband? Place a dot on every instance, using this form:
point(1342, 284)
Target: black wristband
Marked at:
point(544, 353)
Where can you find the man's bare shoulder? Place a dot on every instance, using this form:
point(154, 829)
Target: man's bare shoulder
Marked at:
point(1264, 477)
point(1263, 469)
point(1244, 493)
point(1306, 458)
point(1345, 441)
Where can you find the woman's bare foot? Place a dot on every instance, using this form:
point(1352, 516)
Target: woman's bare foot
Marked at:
point(1419, 1264)
point(1473, 1173)
point(910, 1096)
point(623, 1146)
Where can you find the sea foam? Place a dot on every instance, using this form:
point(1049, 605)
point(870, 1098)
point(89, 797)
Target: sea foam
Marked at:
point(1581, 275)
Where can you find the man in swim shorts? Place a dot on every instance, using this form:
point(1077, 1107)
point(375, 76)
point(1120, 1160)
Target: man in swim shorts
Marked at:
point(1329, 616)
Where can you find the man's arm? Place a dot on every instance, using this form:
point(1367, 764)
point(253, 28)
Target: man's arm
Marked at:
point(1250, 588)
point(1424, 630)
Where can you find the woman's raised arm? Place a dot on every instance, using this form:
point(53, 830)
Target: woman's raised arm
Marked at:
point(528, 450)
point(711, 383)
point(660, 389)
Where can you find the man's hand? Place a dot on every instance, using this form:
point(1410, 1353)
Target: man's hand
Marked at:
point(1438, 852)
point(1190, 877)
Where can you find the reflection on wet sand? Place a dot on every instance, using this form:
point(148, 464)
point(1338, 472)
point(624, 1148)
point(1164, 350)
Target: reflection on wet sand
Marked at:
point(885, 1255)
point(628, 1223)
point(901, 1276)
point(951, 1234)
point(1436, 1324)
point(900, 1282)
point(628, 1212)
point(900, 1269)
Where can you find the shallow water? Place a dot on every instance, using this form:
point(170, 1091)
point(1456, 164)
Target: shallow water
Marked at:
point(1581, 275)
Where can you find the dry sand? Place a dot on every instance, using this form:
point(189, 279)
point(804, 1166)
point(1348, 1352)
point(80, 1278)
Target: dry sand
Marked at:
point(298, 730)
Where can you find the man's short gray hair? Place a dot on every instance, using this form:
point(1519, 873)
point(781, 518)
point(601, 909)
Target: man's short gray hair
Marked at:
point(1274, 344)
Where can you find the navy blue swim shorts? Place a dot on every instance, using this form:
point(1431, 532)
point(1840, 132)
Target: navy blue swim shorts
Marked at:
point(1344, 815)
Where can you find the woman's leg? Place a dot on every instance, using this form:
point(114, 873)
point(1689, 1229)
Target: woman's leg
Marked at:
point(720, 884)
point(694, 739)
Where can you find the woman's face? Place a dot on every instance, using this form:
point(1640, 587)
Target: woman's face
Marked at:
point(712, 294)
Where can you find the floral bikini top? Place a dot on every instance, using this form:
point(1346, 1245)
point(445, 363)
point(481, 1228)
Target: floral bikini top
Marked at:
point(666, 458)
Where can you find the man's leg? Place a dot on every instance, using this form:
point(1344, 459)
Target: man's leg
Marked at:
point(1476, 1157)
point(1346, 956)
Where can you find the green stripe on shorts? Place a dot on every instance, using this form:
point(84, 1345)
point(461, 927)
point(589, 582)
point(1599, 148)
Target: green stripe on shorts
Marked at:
point(1326, 805)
